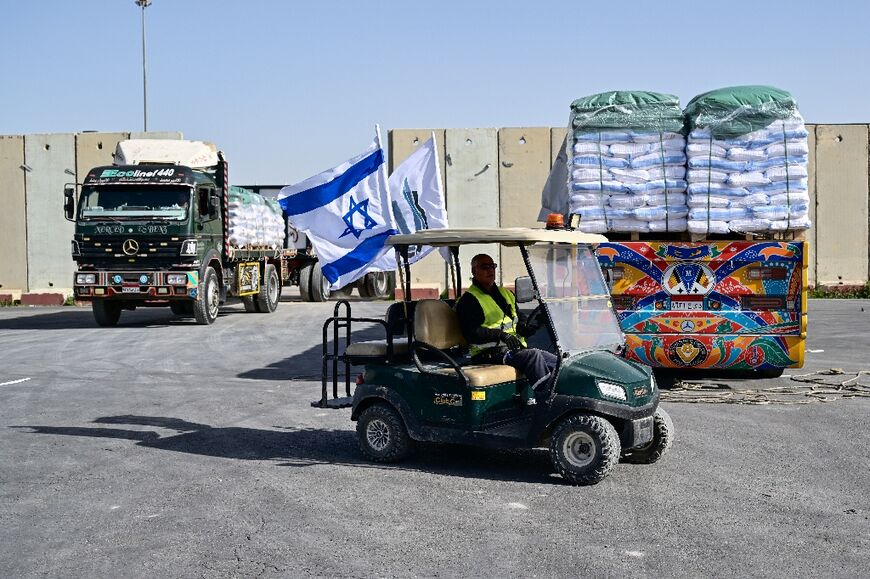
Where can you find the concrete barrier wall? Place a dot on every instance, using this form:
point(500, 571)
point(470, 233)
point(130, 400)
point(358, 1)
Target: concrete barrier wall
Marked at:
point(51, 162)
point(13, 218)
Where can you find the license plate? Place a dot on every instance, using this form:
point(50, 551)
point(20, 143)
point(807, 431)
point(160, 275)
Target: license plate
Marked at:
point(686, 305)
point(130, 290)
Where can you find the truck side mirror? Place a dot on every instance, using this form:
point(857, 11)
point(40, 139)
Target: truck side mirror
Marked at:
point(69, 202)
point(523, 289)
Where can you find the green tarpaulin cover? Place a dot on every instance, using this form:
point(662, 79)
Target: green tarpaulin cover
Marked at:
point(737, 110)
point(627, 110)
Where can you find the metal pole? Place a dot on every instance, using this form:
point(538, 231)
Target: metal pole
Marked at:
point(144, 4)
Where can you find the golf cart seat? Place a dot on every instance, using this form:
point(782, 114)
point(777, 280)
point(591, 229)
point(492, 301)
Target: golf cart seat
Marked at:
point(436, 328)
point(376, 348)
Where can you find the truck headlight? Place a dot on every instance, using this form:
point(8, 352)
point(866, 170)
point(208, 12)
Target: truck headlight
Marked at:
point(611, 390)
point(86, 278)
point(188, 247)
point(76, 250)
point(176, 279)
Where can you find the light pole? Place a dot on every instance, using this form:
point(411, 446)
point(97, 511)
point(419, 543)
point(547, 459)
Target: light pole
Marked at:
point(144, 4)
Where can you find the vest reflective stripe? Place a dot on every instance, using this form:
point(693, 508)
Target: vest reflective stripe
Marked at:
point(493, 316)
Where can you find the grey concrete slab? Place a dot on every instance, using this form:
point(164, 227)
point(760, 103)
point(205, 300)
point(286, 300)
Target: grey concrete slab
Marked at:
point(51, 162)
point(13, 217)
point(842, 207)
point(95, 149)
point(811, 187)
point(167, 449)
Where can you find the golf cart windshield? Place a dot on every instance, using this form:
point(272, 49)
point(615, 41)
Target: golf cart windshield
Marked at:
point(571, 283)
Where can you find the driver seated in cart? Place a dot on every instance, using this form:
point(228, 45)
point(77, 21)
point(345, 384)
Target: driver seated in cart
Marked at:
point(495, 329)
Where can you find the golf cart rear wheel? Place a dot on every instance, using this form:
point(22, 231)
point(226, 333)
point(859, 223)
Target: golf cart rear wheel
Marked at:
point(584, 449)
point(663, 436)
point(382, 434)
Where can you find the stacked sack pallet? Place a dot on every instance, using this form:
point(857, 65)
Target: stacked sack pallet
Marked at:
point(627, 162)
point(254, 222)
point(747, 162)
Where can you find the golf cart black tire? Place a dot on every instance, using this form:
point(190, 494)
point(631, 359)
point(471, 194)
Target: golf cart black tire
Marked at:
point(106, 312)
point(663, 436)
point(266, 301)
point(250, 304)
point(606, 449)
point(384, 417)
point(377, 285)
point(179, 308)
point(319, 285)
point(205, 308)
point(305, 283)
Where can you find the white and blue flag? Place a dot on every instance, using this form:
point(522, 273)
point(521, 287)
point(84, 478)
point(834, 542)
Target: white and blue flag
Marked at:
point(346, 214)
point(417, 196)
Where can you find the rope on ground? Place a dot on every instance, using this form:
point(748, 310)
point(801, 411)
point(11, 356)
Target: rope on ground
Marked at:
point(819, 388)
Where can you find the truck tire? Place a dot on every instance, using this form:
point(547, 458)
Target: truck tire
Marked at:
point(205, 308)
point(377, 285)
point(319, 288)
point(382, 435)
point(663, 436)
point(183, 309)
point(106, 312)
point(266, 301)
point(305, 283)
point(250, 304)
point(584, 449)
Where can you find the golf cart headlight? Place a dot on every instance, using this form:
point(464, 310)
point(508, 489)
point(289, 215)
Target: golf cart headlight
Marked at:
point(188, 247)
point(611, 390)
point(76, 251)
point(86, 278)
point(176, 279)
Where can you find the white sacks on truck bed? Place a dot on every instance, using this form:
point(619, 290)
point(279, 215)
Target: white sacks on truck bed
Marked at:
point(254, 222)
point(627, 163)
point(747, 162)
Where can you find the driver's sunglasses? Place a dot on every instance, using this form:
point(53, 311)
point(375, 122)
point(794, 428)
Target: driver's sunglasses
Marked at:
point(487, 266)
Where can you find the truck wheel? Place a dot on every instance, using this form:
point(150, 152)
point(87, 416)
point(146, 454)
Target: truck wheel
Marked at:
point(663, 436)
point(377, 285)
point(319, 289)
point(584, 449)
point(184, 309)
point(344, 292)
point(305, 283)
point(270, 291)
point(106, 313)
point(382, 434)
point(205, 308)
point(250, 304)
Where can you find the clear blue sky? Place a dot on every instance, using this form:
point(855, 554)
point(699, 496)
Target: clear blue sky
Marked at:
point(289, 88)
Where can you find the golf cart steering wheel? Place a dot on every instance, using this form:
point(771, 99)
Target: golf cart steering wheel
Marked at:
point(536, 318)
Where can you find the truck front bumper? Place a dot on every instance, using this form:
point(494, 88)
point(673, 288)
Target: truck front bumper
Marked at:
point(135, 285)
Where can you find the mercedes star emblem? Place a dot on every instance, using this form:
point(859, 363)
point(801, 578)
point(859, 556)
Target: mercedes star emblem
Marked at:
point(131, 247)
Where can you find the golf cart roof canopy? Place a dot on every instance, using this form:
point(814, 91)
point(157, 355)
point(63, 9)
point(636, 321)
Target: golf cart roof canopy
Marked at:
point(505, 236)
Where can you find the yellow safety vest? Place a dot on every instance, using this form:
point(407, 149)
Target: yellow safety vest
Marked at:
point(494, 317)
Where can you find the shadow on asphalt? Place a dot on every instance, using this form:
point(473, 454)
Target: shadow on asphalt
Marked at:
point(668, 378)
point(299, 366)
point(304, 447)
point(80, 318)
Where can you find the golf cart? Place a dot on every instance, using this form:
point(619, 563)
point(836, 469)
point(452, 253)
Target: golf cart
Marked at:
point(420, 385)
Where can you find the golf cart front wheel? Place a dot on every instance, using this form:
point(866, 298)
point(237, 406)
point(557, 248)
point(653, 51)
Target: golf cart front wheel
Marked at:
point(382, 434)
point(584, 449)
point(663, 436)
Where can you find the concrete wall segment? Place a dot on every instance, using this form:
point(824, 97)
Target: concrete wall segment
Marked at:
point(811, 187)
point(13, 217)
point(51, 160)
point(842, 204)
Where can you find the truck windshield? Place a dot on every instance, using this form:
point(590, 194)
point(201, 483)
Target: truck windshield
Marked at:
point(134, 202)
point(570, 281)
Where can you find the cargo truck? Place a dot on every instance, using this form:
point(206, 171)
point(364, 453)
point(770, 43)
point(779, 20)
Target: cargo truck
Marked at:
point(162, 227)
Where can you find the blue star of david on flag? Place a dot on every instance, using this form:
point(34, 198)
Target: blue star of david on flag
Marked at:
point(363, 209)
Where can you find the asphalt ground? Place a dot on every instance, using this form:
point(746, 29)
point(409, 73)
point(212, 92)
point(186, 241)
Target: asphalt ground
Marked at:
point(161, 448)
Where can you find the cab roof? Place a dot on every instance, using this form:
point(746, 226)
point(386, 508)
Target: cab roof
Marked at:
point(505, 236)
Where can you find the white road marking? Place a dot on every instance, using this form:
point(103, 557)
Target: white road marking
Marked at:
point(815, 351)
point(634, 553)
point(520, 506)
point(14, 382)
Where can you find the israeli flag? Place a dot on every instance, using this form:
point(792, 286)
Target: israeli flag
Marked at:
point(346, 214)
point(417, 196)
